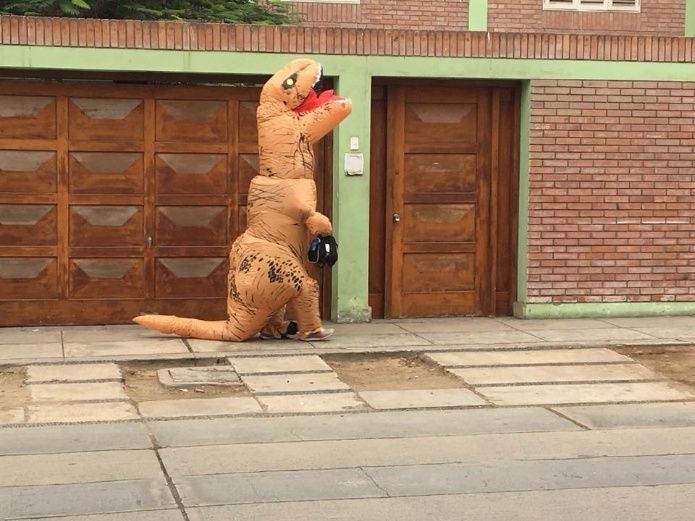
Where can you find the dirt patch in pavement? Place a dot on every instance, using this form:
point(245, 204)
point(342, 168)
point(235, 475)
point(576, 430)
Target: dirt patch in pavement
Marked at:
point(389, 371)
point(674, 362)
point(142, 384)
point(13, 392)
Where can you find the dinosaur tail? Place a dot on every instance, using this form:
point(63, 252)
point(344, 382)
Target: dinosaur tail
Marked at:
point(189, 327)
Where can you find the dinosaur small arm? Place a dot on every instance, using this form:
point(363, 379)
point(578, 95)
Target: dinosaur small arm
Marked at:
point(267, 271)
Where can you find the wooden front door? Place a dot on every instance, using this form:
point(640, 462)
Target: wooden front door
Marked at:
point(443, 225)
point(117, 200)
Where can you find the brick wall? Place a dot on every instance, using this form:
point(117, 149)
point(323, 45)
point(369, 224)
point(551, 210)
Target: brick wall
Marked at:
point(664, 17)
point(386, 14)
point(612, 191)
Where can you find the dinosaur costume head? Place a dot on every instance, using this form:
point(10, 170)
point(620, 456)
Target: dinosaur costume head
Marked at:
point(294, 113)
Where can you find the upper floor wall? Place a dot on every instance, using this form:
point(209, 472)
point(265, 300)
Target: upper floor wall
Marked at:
point(654, 17)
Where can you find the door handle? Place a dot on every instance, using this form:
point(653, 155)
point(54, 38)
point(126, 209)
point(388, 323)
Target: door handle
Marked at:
point(396, 218)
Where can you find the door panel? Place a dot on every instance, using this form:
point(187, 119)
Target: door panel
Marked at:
point(444, 162)
point(122, 199)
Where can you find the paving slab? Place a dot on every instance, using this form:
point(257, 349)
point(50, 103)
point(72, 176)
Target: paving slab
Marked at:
point(511, 476)
point(74, 438)
point(575, 324)
point(279, 364)
point(11, 416)
point(422, 398)
point(110, 333)
point(373, 425)
point(72, 373)
point(228, 489)
point(194, 376)
point(403, 339)
point(81, 467)
point(130, 347)
point(216, 346)
point(376, 327)
point(454, 325)
point(199, 407)
point(627, 416)
point(94, 498)
point(76, 392)
point(10, 352)
point(333, 454)
point(665, 503)
point(553, 374)
point(310, 403)
point(150, 515)
point(678, 333)
point(639, 322)
point(583, 393)
point(49, 412)
point(610, 335)
point(30, 335)
point(292, 383)
point(537, 357)
point(497, 336)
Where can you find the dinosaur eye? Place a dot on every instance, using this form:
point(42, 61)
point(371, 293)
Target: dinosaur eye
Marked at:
point(290, 82)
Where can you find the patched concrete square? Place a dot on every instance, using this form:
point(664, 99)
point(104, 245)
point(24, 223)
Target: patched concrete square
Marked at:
point(11, 416)
point(30, 335)
point(583, 393)
point(592, 335)
point(300, 382)
point(498, 336)
point(80, 412)
point(279, 364)
point(311, 403)
point(72, 373)
point(628, 416)
point(552, 374)
point(76, 392)
point(536, 357)
point(426, 398)
point(199, 407)
point(194, 376)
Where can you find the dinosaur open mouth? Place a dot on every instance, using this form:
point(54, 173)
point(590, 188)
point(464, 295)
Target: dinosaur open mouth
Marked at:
point(317, 96)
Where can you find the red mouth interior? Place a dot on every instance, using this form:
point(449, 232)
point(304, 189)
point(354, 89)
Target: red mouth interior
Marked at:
point(313, 101)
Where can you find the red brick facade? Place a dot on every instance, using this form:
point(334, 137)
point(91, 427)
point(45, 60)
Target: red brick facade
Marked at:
point(612, 192)
point(665, 17)
point(387, 14)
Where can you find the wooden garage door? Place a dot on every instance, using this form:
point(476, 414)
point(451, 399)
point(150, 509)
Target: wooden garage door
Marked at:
point(117, 200)
point(447, 175)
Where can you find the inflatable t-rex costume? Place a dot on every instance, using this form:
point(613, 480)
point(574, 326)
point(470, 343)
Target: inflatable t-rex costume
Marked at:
point(266, 263)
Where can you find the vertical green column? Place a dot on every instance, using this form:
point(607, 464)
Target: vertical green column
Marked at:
point(690, 18)
point(522, 231)
point(477, 15)
point(351, 204)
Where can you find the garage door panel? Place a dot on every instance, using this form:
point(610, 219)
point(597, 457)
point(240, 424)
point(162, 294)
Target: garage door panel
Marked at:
point(109, 225)
point(191, 120)
point(248, 131)
point(28, 117)
point(106, 172)
point(435, 272)
point(191, 225)
point(439, 223)
point(191, 173)
point(28, 224)
point(108, 119)
point(28, 278)
point(248, 168)
point(107, 278)
point(28, 171)
point(191, 277)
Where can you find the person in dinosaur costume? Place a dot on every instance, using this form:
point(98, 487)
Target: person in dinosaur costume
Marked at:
point(267, 262)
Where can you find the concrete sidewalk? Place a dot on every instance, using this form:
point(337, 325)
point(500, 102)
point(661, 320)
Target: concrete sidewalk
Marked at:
point(545, 422)
point(101, 343)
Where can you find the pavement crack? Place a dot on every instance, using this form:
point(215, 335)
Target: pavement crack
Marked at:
point(169, 481)
point(374, 482)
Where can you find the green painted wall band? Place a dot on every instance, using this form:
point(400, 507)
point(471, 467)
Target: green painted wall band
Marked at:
point(690, 18)
point(522, 230)
point(477, 15)
point(601, 309)
point(205, 62)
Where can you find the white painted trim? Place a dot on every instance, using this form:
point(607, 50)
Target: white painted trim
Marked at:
point(576, 5)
